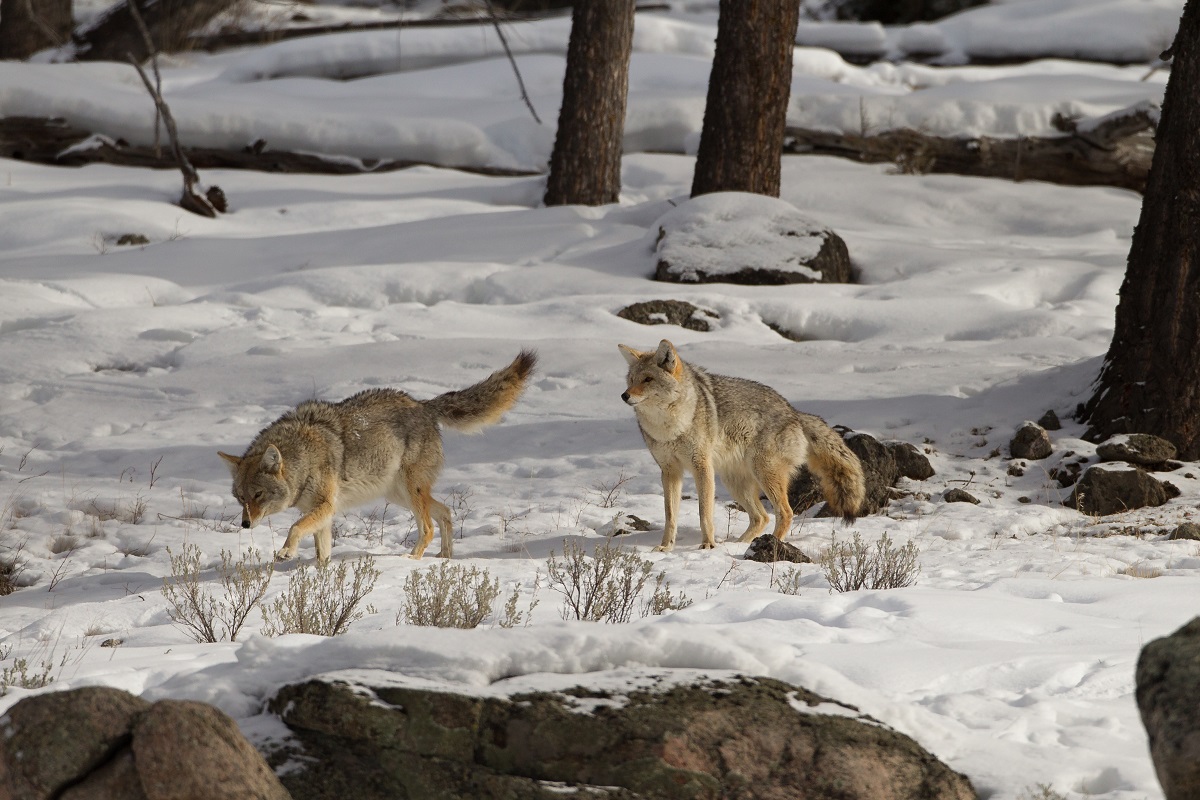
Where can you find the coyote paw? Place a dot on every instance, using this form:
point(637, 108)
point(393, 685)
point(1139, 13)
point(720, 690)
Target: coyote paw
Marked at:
point(285, 555)
point(663, 548)
point(708, 545)
point(413, 556)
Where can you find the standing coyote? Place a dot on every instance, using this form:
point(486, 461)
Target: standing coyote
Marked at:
point(741, 430)
point(323, 457)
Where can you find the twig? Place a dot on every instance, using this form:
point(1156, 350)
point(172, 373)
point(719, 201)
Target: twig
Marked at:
point(153, 51)
point(503, 41)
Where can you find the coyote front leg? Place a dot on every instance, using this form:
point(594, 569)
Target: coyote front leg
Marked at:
point(672, 482)
point(317, 521)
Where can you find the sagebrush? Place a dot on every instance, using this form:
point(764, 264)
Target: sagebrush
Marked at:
point(606, 586)
point(195, 607)
point(453, 596)
point(853, 565)
point(322, 599)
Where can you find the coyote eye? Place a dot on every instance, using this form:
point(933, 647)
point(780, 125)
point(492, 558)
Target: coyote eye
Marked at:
point(258, 496)
point(647, 379)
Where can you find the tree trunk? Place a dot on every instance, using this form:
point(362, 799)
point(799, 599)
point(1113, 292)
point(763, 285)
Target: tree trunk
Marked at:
point(744, 115)
point(27, 26)
point(585, 167)
point(114, 35)
point(1150, 380)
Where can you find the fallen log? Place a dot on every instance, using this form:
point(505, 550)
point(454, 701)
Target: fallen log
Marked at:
point(1114, 150)
point(52, 141)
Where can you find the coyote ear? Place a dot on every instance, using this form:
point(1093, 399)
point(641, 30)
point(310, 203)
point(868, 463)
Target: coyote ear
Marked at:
point(666, 357)
point(272, 460)
point(230, 461)
point(630, 354)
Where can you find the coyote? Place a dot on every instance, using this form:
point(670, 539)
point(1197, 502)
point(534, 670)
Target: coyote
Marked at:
point(323, 457)
point(741, 430)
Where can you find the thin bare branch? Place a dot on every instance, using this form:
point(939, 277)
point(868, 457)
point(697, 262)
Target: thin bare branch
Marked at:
point(512, 61)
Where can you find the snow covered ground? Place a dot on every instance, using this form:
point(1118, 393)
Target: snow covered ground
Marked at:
point(982, 303)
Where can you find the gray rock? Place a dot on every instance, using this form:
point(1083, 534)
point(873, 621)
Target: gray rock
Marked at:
point(741, 739)
point(1050, 421)
point(910, 461)
point(185, 749)
point(1168, 695)
point(1187, 530)
point(883, 464)
point(1105, 490)
point(670, 312)
point(98, 743)
point(767, 549)
point(960, 496)
point(1031, 442)
point(832, 261)
point(73, 732)
point(1143, 449)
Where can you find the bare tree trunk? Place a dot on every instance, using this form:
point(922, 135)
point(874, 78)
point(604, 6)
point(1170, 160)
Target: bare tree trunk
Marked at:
point(27, 26)
point(744, 115)
point(1150, 381)
point(115, 35)
point(585, 167)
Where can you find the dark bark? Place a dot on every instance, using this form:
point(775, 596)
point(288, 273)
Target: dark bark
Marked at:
point(1150, 380)
point(115, 35)
point(27, 26)
point(585, 166)
point(746, 108)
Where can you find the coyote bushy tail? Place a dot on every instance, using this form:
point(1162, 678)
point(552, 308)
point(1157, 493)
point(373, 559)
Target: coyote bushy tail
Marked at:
point(474, 408)
point(836, 467)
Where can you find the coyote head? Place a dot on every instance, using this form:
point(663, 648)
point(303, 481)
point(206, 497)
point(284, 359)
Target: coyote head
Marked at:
point(652, 376)
point(258, 484)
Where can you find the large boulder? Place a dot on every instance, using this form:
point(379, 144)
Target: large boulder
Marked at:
point(750, 738)
point(883, 465)
point(1143, 449)
point(737, 237)
point(1168, 697)
point(98, 743)
point(1110, 489)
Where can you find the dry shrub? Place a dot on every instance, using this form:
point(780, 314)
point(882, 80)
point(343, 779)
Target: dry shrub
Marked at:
point(198, 610)
point(452, 596)
point(322, 599)
point(853, 565)
point(605, 587)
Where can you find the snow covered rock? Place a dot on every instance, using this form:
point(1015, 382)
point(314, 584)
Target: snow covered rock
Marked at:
point(748, 738)
point(1144, 449)
point(1031, 442)
point(736, 237)
point(670, 312)
point(767, 550)
point(883, 464)
point(1106, 489)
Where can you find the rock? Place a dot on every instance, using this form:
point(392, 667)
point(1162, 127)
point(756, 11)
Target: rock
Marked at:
point(185, 749)
point(1067, 472)
point(670, 312)
point(767, 549)
point(744, 738)
point(98, 743)
point(737, 237)
point(960, 496)
point(1143, 449)
point(1105, 490)
point(73, 731)
point(132, 239)
point(1050, 421)
point(910, 461)
point(1187, 530)
point(1031, 442)
point(883, 465)
point(1017, 469)
point(1168, 677)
